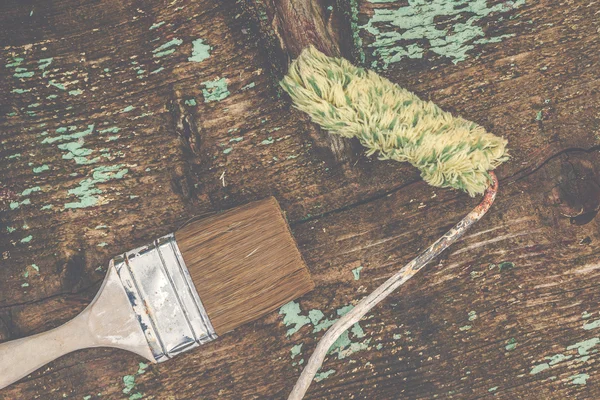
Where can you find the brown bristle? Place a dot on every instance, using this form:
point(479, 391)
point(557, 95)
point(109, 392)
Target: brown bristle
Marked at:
point(244, 263)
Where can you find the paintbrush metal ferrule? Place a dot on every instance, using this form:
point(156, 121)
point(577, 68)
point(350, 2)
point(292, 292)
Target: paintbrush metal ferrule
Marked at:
point(164, 298)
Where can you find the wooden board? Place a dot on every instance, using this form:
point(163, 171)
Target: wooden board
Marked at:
point(118, 124)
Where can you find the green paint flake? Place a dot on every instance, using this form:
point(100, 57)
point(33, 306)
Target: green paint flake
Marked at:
point(15, 204)
point(215, 90)
point(592, 325)
point(324, 375)
point(57, 85)
point(25, 284)
point(227, 150)
point(493, 389)
point(75, 92)
point(37, 170)
point(127, 109)
point(292, 317)
point(52, 97)
point(505, 265)
point(129, 381)
point(249, 86)
point(190, 102)
point(103, 244)
point(47, 207)
point(585, 346)
point(44, 62)
point(20, 91)
point(356, 272)
point(16, 61)
point(270, 140)
point(71, 136)
point(511, 344)
point(465, 328)
point(296, 350)
point(585, 315)
point(27, 192)
point(579, 379)
point(10, 229)
point(142, 368)
point(23, 75)
point(157, 25)
point(472, 315)
point(87, 397)
point(33, 105)
point(236, 139)
point(156, 71)
point(164, 49)
point(539, 368)
point(136, 396)
point(17, 155)
point(411, 30)
point(113, 129)
point(555, 359)
point(27, 239)
point(200, 51)
point(87, 190)
point(397, 336)
point(539, 116)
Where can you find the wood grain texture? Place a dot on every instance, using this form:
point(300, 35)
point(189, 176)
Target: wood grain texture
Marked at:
point(516, 293)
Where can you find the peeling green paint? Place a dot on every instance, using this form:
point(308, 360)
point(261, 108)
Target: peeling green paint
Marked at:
point(47, 207)
point(249, 86)
point(465, 328)
point(142, 368)
point(112, 129)
point(15, 204)
point(579, 379)
point(585, 346)
point(37, 170)
point(156, 71)
point(413, 29)
point(27, 239)
point(23, 74)
point(57, 85)
point(190, 102)
point(472, 315)
point(75, 92)
point(200, 51)
point(324, 375)
point(511, 344)
point(10, 229)
point(87, 190)
point(555, 359)
point(592, 325)
point(227, 150)
point(270, 140)
point(20, 91)
point(539, 368)
point(215, 90)
point(27, 192)
point(17, 155)
point(76, 135)
point(585, 315)
point(291, 316)
point(129, 381)
point(44, 63)
point(493, 389)
point(236, 139)
point(165, 49)
point(356, 272)
point(157, 25)
point(127, 109)
point(296, 350)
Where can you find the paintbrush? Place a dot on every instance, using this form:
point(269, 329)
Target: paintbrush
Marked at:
point(179, 291)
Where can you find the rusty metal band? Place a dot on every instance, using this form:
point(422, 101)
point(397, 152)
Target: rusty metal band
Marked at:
point(164, 298)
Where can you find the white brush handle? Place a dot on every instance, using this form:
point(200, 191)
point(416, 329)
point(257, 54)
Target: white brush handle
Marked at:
point(109, 321)
point(21, 357)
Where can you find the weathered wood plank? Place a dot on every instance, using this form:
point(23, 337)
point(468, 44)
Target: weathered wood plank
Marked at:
point(425, 342)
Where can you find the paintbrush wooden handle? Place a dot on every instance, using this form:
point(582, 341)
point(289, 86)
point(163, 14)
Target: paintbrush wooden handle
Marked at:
point(21, 357)
point(109, 321)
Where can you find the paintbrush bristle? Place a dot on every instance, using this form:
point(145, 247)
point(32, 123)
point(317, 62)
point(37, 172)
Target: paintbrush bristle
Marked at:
point(244, 263)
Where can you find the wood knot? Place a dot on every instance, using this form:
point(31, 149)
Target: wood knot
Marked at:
point(577, 193)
